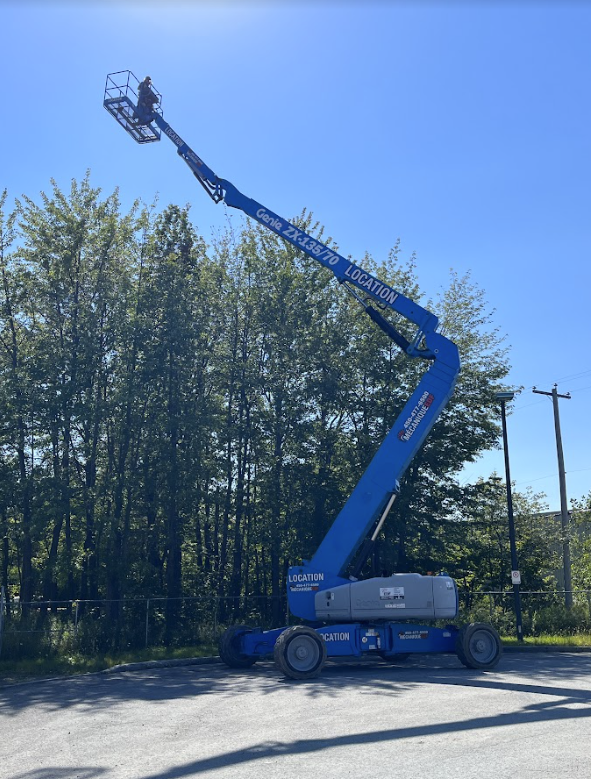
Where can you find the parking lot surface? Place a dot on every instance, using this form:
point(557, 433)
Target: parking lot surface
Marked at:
point(430, 716)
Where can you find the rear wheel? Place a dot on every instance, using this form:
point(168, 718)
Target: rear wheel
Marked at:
point(300, 652)
point(229, 648)
point(479, 646)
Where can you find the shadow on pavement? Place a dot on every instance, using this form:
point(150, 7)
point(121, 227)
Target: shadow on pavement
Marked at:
point(62, 773)
point(560, 675)
point(267, 750)
point(563, 680)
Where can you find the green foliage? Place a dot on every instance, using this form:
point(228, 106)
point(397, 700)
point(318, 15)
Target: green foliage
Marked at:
point(558, 620)
point(179, 419)
point(580, 543)
point(479, 554)
point(500, 615)
point(18, 670)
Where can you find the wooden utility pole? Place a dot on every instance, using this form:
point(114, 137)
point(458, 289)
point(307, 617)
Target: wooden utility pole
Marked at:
point(564, 514)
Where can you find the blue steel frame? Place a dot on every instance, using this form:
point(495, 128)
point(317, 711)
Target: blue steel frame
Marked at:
point(373, 492)
point(354, 639)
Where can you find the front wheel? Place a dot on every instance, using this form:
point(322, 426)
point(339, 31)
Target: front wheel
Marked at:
point(229, 648)
point(479, 646)
point(300, 652)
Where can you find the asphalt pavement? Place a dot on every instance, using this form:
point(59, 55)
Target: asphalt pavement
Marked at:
point(530, 717)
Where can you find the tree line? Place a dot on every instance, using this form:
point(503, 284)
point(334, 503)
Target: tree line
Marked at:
point(178, 417)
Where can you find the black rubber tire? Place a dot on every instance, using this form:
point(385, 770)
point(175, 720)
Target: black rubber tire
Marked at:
point(229, 648)
point(397, 657)
point(300, 653)
point(478, 646)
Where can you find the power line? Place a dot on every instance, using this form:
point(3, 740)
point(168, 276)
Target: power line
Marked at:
point(520, 408)
point(574, 375)
point(531, 481)
point(571, 377)
point(539, 402)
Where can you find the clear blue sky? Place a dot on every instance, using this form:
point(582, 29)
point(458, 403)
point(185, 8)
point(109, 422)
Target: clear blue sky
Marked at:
point(461, 128)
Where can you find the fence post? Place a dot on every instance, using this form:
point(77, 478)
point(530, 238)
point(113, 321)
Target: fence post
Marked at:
point(147, 619)
point(76, 620)
point(2, 602)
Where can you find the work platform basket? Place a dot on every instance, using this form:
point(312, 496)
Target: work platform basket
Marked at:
point(121, 99)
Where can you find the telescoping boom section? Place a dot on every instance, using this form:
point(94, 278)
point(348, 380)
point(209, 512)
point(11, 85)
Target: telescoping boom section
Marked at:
point(325, 588)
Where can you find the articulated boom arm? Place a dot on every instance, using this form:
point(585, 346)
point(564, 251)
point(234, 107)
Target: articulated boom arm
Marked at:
point(372, 498)
point(345, 270)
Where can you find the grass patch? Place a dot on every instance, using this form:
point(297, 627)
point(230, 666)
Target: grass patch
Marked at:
point(69, 665)
point(578, 639)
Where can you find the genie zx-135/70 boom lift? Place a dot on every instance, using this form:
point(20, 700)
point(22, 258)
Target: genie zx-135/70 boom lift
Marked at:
point(345, 616)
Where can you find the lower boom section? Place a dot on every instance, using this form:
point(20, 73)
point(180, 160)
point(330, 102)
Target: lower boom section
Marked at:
point(300, 651)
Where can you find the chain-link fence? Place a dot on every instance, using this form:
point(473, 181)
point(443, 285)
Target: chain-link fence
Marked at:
point(91, 627)
point(543, 612)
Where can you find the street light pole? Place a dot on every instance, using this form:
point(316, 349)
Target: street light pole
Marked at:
point(503, 397)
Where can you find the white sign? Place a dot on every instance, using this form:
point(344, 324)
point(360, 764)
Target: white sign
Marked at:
point(391, 593)
point(515, 577)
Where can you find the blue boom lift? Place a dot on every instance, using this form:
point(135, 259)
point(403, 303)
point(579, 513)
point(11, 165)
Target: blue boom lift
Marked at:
point(345, 616)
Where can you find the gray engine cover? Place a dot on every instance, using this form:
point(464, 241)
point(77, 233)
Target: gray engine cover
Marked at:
point(398, 597)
